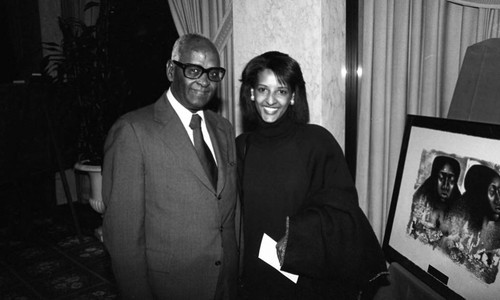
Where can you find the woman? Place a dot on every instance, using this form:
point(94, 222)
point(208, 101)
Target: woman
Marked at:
point(433, 199)
point(474, 238)
point(296, 188)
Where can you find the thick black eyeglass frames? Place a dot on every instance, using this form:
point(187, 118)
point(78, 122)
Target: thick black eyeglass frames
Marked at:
point(192, 71)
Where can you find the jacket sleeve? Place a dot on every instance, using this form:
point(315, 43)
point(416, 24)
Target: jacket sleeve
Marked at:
point(123, 225)
point(241, 149)
point(331, 238)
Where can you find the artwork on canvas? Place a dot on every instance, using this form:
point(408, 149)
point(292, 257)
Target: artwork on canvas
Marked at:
point(444, 220)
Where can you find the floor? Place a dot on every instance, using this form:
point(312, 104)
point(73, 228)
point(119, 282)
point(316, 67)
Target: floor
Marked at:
point(45, 260)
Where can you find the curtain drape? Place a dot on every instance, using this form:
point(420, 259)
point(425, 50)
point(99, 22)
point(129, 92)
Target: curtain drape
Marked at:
point(187, 16)
point(411, 52)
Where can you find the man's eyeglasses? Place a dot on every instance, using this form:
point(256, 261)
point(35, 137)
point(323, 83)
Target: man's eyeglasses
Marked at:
point(195, 71)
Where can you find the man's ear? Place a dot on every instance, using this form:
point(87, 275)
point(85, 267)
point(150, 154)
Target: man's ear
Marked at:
point(170, 70)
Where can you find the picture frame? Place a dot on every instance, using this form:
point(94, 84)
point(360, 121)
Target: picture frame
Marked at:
point(447, 170)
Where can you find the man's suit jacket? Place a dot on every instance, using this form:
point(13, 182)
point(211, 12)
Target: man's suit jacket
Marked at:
point(169, 233)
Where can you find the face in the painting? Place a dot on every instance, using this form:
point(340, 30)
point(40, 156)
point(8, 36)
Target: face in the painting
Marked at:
point(194, 94)
point(272, 98)
point(494, 195)
point(446, 182)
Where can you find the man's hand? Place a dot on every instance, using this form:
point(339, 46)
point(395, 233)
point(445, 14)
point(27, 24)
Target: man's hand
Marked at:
point(281, 245)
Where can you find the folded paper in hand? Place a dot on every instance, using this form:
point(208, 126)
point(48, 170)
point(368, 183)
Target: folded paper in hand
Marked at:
point(268, 254)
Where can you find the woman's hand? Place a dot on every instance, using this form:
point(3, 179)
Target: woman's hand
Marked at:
point(281, 245)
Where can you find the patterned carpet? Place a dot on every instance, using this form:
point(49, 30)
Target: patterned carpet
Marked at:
point(51, 263)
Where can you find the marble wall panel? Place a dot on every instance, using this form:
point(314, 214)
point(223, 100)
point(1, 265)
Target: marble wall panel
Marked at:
point(312, 32)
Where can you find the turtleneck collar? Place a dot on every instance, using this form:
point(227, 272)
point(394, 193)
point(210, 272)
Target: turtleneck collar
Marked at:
point(282, 127)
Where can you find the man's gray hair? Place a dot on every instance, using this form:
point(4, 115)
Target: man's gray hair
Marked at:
point(181, 41)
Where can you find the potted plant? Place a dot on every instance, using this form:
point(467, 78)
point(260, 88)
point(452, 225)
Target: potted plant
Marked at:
point(79, 72)
point(78, 69)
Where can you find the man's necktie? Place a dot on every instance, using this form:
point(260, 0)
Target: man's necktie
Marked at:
point(204, 153)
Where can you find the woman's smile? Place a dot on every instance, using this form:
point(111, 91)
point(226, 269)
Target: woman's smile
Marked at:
point(271, 110)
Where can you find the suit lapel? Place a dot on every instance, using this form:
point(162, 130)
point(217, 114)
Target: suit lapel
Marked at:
point(174, 135)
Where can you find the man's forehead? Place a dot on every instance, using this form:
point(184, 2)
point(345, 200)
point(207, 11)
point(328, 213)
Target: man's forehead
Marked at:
point(200, 55)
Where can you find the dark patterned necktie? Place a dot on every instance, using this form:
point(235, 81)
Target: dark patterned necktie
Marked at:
point(204, 153)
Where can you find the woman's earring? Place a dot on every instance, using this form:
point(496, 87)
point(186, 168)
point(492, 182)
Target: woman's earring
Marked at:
point(292, 102)
point(252, 97)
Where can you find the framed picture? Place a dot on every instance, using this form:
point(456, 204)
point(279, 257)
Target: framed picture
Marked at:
point(443, 223)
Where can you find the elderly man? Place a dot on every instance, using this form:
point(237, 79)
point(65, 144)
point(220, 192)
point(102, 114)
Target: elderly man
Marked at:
point(169, 185)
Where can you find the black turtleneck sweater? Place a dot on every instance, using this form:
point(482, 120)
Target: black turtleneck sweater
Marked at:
point(299, 170)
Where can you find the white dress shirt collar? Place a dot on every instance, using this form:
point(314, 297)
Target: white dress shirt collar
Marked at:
point(185, 115)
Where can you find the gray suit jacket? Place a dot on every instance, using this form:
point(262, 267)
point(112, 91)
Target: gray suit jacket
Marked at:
point(170, 235)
